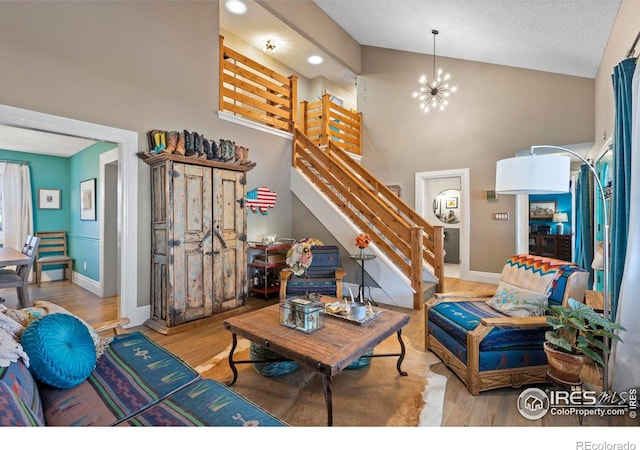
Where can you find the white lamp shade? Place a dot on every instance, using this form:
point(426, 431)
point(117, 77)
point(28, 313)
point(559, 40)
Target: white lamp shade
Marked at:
point(560, 217)
point(533, 174)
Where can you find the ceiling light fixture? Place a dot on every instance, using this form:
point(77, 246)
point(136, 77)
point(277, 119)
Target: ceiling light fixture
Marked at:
point(315, 60)
point(236, 6)
point(270, 46)
point(433, 94)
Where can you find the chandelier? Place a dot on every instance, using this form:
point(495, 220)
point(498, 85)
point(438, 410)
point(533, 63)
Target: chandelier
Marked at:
point(433, 94)
point(270, 46)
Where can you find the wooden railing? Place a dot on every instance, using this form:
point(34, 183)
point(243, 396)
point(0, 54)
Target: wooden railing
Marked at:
point(253, 91)
point(407, 239)
point(325, 121)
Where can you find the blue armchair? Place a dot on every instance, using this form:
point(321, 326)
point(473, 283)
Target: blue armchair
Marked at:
point(480, 336)
point(323, 276)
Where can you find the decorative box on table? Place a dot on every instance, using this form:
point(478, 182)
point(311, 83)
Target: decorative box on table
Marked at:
point(302, 313)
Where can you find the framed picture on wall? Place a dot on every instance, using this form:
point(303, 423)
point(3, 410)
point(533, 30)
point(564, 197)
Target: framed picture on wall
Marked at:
point(49, 199)
point(88, 199)
point(542, 209)
point(451, 202)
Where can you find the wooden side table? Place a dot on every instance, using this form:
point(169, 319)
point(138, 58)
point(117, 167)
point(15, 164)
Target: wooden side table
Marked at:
point(595, 299)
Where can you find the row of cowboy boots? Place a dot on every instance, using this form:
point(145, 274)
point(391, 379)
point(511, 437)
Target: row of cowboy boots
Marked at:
point(197, 146)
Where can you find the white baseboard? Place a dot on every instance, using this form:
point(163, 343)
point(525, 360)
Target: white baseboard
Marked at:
point(483, 277)
point(87, 283)
point(49, 275)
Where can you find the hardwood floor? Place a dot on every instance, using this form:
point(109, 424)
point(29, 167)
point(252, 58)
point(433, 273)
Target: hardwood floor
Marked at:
point(198, 344)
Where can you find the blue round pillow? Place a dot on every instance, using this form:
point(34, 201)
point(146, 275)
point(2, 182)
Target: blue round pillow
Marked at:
point(60, 349)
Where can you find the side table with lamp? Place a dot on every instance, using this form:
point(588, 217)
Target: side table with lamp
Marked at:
point(560, 218)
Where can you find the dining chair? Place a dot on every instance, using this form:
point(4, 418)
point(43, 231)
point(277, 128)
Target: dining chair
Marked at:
point(19, 277)
point(52, 251)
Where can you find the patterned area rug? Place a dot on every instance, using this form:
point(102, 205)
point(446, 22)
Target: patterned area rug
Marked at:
point(374, 396)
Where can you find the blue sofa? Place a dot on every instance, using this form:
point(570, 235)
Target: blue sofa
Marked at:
point(135, 382)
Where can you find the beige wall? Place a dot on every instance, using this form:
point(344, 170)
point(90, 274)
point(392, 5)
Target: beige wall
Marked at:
point(136, 66)
point(496, 111)
point(625, 29)
point(145, 65)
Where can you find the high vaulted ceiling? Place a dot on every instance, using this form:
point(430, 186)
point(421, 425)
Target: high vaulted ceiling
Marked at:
point(560, 36)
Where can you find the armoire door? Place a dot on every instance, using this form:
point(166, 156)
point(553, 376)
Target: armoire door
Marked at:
point(229, 239)
point(191, 245)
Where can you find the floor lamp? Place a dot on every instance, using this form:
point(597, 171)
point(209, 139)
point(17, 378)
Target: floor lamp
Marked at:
point(550, 174)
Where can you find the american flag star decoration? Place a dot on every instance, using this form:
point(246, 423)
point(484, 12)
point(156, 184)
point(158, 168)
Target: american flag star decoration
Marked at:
point(261, 199)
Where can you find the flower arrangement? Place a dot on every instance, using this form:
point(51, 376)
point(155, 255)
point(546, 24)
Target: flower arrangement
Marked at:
point(300, 255)
point(363, 240)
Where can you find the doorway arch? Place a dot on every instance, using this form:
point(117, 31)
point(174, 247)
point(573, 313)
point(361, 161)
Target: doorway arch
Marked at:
point(127, 142)
point(423, 204)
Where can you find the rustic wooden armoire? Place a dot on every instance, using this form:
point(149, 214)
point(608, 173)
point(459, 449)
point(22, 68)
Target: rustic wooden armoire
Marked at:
point(198, 242)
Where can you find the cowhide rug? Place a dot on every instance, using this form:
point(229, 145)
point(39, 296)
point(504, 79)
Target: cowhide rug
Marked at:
point(374, 396)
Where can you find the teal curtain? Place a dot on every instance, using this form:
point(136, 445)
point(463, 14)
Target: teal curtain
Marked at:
point(584, 216)
point(620, 205)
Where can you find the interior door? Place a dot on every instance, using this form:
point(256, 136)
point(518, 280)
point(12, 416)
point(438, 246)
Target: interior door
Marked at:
point(229, 238)
point(191, 243)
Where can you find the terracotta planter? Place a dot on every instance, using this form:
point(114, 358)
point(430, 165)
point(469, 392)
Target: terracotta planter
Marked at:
point(564, 366)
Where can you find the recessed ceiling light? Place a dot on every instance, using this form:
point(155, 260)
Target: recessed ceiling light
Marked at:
point(315, 59)
point(236, 6)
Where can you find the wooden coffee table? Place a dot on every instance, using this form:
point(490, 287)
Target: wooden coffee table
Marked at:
point(328, 350)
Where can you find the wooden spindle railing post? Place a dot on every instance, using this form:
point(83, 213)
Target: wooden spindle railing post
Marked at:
point(304, 116)
point(293, 84)
point(221, 74)
point(417, 283)
point(438, 253)
point(294, 150)
point(326, 111)
point(359, 133)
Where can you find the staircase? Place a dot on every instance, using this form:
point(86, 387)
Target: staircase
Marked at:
point(348, 199)
point(345, 197)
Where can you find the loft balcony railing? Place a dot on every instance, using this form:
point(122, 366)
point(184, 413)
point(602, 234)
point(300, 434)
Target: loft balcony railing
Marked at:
point(325, 121)
point(253, 91)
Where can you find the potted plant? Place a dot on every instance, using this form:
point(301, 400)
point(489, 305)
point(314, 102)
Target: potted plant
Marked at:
point(578, 332)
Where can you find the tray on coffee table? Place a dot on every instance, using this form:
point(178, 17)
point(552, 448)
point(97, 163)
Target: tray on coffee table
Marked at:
point(345, 316)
